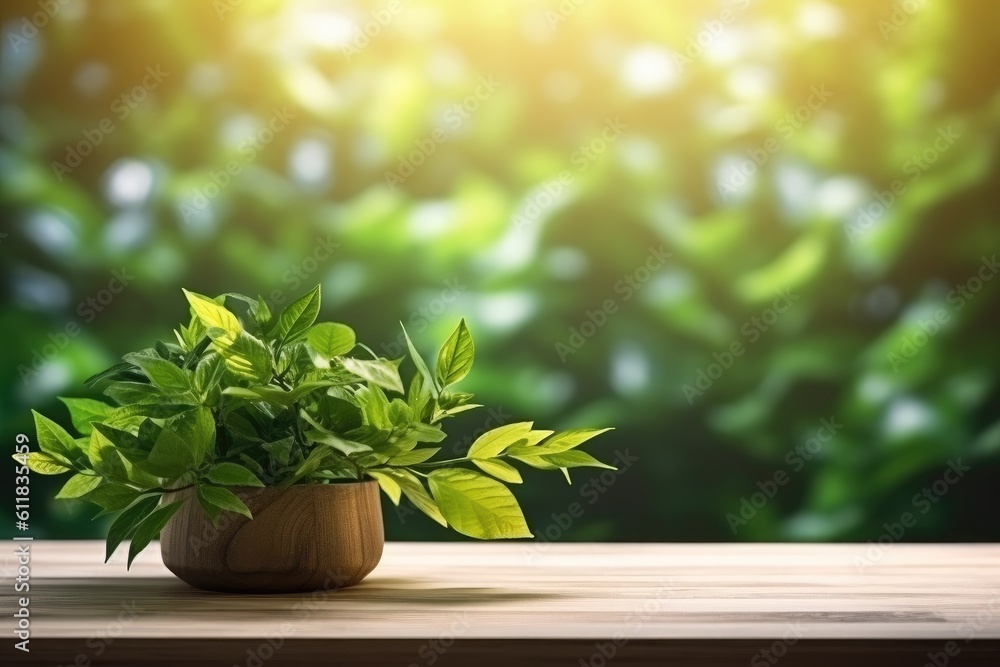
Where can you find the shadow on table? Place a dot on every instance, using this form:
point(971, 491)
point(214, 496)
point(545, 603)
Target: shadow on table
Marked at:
point(110, 597)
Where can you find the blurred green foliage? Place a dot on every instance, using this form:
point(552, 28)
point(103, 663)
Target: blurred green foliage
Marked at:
point(525, 165)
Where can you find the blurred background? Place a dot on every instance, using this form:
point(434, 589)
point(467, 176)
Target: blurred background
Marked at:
point(758, 238)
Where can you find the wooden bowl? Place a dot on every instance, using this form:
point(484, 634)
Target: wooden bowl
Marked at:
point(303, 538)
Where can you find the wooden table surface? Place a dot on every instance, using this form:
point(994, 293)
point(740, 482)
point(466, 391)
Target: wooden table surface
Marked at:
point(533, 603)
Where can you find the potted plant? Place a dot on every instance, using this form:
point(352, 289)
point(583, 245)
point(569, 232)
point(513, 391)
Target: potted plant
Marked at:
point(257, 447)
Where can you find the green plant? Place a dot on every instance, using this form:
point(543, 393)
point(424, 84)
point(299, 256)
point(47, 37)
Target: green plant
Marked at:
point(275, 401)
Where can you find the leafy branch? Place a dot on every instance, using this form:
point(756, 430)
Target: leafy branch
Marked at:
point(263, 400)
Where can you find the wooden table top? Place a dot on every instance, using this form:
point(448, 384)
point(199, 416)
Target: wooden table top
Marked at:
point(534, 603)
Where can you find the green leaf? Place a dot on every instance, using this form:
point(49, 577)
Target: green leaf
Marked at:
point(414, 456)
point(329, 439)
point(214, 316)
point(296, 319)
point(83, 411)
point(170, 457)
point(387, 483)
point(161, 349)
point(162, 373)
point(425, 432)
point(119, 438)
point(149, 529)
point(116, 372)
point(414, 490)
point(78, 485)
point(330, 339)
point(53, 438)
point(213, 511)
point(247, 357)
point(224, 499)
point(300, 361)
point(476, 505)
point(421, 365)
point(280, 449)
point(135, 475)
point(105, 454)
point(246, 393)
point(566, 441)
point(128, 393)
point(374, 407)
point(534, 461)
point(157, 411)
point(261, 313)
point(240, 427)
point(208, 374)
point(454, 399)
point(251, 303)
point(492, 443)
point(232, 474)
point(451, 403)
point(451, 412)
point(421, 401)
point(456, 356)
point(126, 522)
point(41, 463)
point(197, 427)
point(575, 459)
point(499, 469)
point(277, 395)
point(317, 458)
point(400, 414)
point(381, 372)
point(112, 497)
point(183, 444)
point(252, 464)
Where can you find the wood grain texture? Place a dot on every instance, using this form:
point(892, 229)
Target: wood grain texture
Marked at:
point(303, 538)
point(537, 604)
